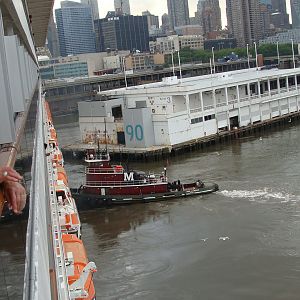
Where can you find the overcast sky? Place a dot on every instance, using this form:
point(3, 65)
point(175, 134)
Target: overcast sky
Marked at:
point(156, 7)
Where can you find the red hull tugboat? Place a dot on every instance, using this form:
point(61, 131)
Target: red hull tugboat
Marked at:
point(108, 184)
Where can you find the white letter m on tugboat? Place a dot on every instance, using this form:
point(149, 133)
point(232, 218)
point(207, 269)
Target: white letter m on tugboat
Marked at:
point(128, 176)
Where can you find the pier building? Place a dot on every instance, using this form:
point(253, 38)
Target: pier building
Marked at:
point(177, 111)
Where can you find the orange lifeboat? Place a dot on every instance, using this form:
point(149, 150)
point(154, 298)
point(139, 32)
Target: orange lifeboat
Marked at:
point(61, 175)
point(48, 111)
point(75, 246)
point(57, 157)
point(72, 224)
point(53, 135)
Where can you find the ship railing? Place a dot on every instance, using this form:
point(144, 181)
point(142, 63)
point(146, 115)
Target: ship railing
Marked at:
point(127, 183)
point(112, 170)
point(255, 96)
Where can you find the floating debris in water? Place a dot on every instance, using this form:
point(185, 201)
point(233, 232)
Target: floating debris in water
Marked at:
point(223, 238)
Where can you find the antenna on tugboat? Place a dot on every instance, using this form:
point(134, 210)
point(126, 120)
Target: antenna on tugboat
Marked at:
point(98, 144)
point(105, 134)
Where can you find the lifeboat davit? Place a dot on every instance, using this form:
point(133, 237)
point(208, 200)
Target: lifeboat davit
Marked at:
point(79, 270)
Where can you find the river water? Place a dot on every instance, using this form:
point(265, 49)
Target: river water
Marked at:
point(242, 242)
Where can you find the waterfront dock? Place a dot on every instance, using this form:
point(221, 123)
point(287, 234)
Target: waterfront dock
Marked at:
point(77, 151)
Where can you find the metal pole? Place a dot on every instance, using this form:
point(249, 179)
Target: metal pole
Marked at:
point(173, 67)
point(124, 68)
point(278, 59)
point(179, 61)
point(248, 56)
point(293, 54)
point(255, 47)
point(213, 57)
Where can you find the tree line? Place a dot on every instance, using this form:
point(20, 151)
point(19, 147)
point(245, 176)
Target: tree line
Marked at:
point(188, 55)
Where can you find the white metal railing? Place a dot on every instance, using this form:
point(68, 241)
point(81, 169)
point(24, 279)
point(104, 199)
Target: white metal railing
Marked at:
point(232, 101)
point(274, 92)
point(146, 181)
point(244, 99)
point(124, 183)
point(265, 94)
point(208, 107)
point(112, 170)
point(195, 110)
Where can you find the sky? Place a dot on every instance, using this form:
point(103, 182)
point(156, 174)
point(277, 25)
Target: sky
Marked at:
point(156, 7)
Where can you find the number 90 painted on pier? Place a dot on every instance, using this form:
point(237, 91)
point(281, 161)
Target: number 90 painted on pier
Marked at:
point(135, 132)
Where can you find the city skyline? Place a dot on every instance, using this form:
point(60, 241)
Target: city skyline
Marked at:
point(158, 7)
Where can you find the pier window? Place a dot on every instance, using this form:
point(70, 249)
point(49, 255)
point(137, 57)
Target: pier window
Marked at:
point(78, 88)
point(70, 90)
point(253, 89)
point(273, 84)
point(298, 79)
point(195, 102)
point(220, 96)
point(291, 81)
point(117, 112)
point(282, 83)
point(208, 102)
point(196, 120)
point(243, 92)
point(209, 117)
point(61, 91)
point(179, 103)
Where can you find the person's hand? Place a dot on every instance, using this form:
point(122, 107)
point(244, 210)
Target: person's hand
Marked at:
point(9, 174)
point(15, 195)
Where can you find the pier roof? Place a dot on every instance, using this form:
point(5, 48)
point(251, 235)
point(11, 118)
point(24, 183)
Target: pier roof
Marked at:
point(205, 82)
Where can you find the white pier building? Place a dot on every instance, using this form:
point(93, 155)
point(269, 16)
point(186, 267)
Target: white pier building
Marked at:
point(177, 111)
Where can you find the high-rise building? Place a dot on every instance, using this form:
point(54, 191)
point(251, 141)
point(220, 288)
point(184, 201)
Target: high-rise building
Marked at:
point(244, 21)
point(279, 5)
point(94, 7)
point(266, 11)
point(152, 19)
point(75, 28)
point(209, 14)
point(165, 23)
point(295, 8)
point(178, 13)
point(122, 7)
point(52, 38)
point(279, 16)
point(117, 33)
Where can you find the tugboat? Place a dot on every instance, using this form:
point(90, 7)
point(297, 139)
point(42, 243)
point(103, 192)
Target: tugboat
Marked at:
point(108, 184)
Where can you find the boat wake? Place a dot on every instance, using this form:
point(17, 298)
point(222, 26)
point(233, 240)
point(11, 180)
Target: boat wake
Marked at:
point(262, 195)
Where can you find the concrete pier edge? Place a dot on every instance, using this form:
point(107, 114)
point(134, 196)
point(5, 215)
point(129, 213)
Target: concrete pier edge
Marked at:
point(163, 152)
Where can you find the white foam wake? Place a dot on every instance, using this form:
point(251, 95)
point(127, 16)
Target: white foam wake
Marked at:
point(265, 194)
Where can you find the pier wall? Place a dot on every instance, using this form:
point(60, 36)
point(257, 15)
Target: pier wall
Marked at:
point(257, 129)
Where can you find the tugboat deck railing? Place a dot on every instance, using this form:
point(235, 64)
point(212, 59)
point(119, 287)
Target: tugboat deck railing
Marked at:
point(125, 183)
point(104, 170)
